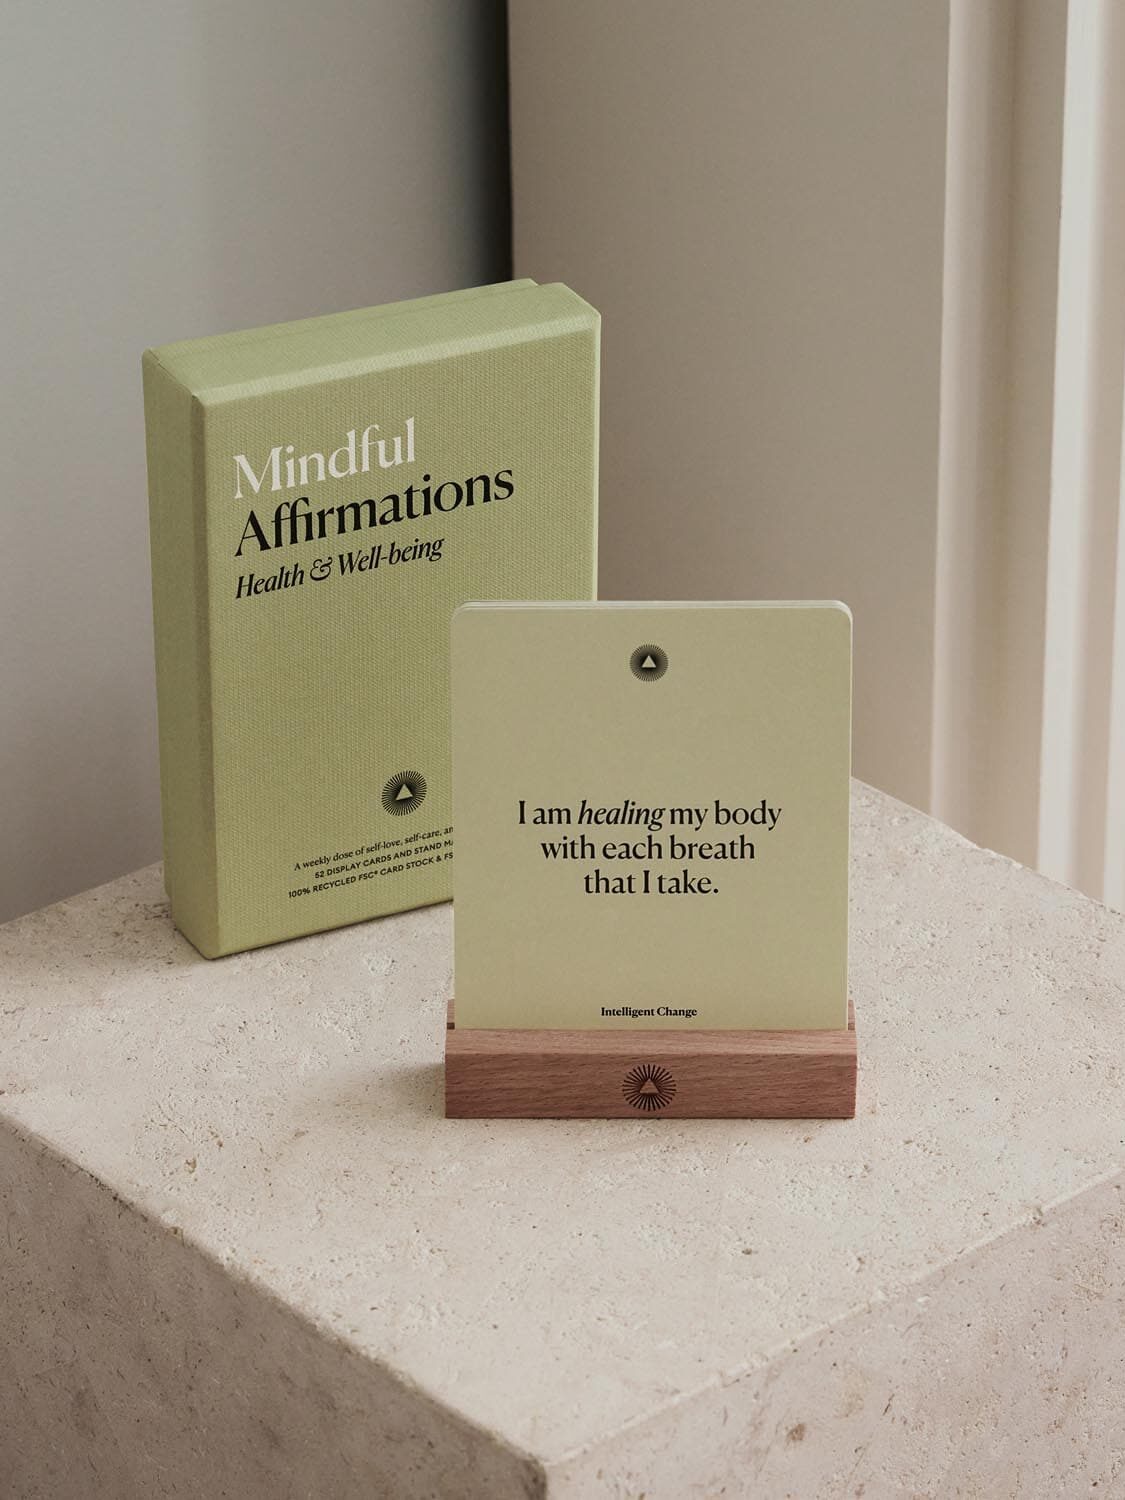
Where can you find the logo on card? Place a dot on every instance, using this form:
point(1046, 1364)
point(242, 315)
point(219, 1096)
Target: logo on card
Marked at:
point(649, 1087)
point(403, 793)
point(648, 663)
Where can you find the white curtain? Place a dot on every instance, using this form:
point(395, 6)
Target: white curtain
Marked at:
point(1029, 683)
point(862, 274)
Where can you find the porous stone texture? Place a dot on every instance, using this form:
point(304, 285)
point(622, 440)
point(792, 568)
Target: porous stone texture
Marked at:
point(245, 1255)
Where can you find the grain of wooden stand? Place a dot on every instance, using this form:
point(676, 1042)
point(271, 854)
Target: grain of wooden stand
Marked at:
point(573, 1075)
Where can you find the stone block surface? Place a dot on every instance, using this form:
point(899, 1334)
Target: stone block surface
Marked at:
point(243, 1254)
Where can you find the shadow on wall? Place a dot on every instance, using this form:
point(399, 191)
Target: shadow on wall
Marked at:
point(358, 159)
point(183, 171)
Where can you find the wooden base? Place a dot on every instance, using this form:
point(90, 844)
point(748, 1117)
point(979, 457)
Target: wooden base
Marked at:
point(577, 1075)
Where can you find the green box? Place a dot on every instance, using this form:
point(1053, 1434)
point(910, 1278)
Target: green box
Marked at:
point(323, 495)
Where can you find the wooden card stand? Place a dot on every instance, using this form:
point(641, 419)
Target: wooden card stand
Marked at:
point(578, 1075)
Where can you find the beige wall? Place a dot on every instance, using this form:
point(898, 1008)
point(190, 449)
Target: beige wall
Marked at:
point(170, 171)
point(753, 194)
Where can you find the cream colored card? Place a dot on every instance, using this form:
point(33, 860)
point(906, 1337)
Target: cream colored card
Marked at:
point(651, 815)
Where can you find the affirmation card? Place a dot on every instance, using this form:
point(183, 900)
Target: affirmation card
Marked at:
point(650, 805)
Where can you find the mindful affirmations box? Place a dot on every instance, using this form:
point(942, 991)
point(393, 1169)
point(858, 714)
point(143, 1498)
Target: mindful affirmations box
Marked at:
point(323, 495)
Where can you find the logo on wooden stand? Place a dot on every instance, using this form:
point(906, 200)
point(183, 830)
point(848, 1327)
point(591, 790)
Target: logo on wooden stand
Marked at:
point(648, 1087)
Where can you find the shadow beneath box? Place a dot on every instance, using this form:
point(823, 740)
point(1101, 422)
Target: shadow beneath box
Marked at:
point(118, 931)
point(410, 1093)
point(124, 931)
point(417, 1091)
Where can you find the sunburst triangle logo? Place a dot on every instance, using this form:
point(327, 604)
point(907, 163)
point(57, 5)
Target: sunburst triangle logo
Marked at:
point(404, 792)
point(649, 1087)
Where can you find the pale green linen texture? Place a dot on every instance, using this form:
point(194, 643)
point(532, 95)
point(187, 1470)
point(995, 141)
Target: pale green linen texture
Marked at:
point(290, 689)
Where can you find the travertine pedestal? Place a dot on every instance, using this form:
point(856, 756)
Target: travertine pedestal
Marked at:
point(244, 1255)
